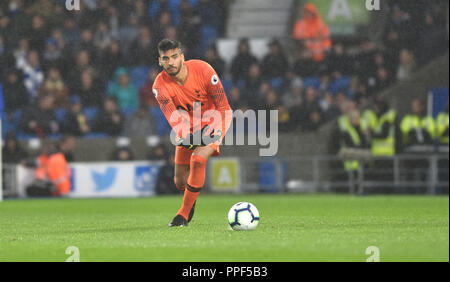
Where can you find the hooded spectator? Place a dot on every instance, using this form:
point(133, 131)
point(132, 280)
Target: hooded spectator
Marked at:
point(124, 90)
point(314, 32)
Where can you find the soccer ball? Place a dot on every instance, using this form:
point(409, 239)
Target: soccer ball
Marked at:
point(243, 216)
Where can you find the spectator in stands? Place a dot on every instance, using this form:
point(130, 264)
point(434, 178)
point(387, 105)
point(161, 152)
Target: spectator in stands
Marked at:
point(34, 76)
point(129, 31)
point(416, 127)
point(75, 122)
point(83, 62)
point(235, 97)
point(328, 107)
point(381, 80)
point(213, 58)
point(70, 30)
point(275, 63)
point(304, 65)
point(338, 63)
point(87, 44)
point(124, 91)
point(164, 183)
point(314, 32)
point(102, 37)
point(142, 49)
point(90, 91)
point(12, 152)
point(164, 21)
point(406, 66)
point(38, 33)
point(7, 30)
point(242, 61)
point(146, 96)
point(55, 87)
point(140, 124)
point(311, 116)
point(294, 96)
point(252, 85)
point(109, 120)
point(158, 153)
point(122, 154)
point(433, 38)
point(111, 59)
point(53, 55)
point(40, 121)
point(14, 92)
point(189, 28)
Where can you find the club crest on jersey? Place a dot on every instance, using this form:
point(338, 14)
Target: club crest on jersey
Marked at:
point(155, 92)
point(214, 79)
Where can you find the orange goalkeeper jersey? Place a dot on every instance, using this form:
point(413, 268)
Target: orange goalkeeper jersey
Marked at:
point(202, 88)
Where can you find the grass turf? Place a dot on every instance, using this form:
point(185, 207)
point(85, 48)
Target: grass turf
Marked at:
point(292, 228)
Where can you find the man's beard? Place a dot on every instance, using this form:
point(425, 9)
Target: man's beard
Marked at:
point(174, 74)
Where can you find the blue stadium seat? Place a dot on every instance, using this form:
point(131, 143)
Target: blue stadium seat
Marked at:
point(311, 81)
point(139, 76)
point(96, 135)
point(227, 84)
point(128, 112)
point(60, 114)
point(162, 126)
point(91, 113)
point(209, 35)
point(276, 83)
point(340, 84)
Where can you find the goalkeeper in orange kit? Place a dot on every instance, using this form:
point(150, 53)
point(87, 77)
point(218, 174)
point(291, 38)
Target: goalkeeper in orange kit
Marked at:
point(192, 99)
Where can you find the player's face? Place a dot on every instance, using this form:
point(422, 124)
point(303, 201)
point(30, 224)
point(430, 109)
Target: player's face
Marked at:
point(171, 61)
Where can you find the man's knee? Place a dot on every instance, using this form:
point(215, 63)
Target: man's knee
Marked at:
point(180, 182)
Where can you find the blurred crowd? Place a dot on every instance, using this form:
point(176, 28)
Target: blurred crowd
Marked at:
point(90, 72)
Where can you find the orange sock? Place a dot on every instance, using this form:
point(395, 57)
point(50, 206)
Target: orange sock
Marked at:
point(196, 181)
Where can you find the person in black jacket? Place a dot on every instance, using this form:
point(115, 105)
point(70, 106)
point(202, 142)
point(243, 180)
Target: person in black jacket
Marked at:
point(242, 62)
point(13, 153)
point(40, 120)
point(14, 91)
point(110, 120)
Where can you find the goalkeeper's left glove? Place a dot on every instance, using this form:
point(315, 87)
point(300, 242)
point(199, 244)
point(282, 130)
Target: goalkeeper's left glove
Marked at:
point(188, 141)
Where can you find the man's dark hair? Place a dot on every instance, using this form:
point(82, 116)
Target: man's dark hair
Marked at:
point(168, 44)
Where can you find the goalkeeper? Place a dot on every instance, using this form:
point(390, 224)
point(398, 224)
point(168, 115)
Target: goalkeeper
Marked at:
point(190, 86)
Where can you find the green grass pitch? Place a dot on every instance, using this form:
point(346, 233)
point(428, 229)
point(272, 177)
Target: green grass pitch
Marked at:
point(293, 227)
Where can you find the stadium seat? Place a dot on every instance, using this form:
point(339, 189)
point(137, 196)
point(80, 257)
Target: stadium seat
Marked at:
point(128, 112)
point(162, 126)
point(96, 135)
point(60, 114)
point(227, 84)
point(276, 83)
point(139, 76)
point(91, 113)
point(311, 82)
point(341, 84)
point(209, 35)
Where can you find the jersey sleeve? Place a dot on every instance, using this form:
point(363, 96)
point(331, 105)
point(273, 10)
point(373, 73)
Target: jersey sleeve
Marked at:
point(215, 90)
point(175, 118)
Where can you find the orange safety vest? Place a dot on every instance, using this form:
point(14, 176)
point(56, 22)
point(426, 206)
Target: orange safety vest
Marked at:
point(56, 169)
